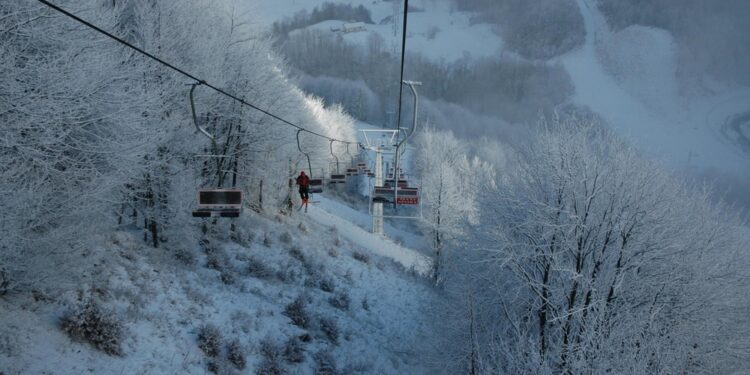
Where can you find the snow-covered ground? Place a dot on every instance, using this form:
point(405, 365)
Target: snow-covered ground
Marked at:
point(164, 301)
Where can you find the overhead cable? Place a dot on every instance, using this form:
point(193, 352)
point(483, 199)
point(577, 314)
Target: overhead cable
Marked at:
point(187, 74)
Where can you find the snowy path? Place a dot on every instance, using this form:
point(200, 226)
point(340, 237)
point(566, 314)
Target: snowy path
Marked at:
point(341, 217)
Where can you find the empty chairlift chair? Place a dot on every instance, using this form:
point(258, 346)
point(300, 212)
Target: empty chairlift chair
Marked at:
point(219, 203)
point(338, 178)
point(383, 194)
point(316, 185)
point(408, 196)
point(389, 194)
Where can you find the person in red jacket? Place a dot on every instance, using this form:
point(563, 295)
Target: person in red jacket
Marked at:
point(304, 186)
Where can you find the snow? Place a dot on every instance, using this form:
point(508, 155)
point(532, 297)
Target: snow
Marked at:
point(637, 95)
point(437, 33)
point(410, 259)
point(164, 302)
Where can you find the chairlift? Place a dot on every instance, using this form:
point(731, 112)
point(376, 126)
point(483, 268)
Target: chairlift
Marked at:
point(338, 179)
point(316, 184)
point(402, 183)
point(219, 203)
point(388, 194)
point(352, 171)
point(214, 202)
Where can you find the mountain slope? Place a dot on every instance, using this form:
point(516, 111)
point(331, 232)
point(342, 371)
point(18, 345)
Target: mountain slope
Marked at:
point(364, 307)
point(682, 131)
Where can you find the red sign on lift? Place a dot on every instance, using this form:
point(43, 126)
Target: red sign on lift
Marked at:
point(407, 200)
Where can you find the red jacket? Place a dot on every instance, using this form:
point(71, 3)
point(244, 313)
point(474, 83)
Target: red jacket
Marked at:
point(303, 180)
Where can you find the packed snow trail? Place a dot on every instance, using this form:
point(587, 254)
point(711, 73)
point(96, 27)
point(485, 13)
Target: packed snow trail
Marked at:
point(378, 245)
point(686, 134)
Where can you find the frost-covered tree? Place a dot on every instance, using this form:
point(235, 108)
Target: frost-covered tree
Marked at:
point(592, 260)
point(96, 135)
point(451, 183)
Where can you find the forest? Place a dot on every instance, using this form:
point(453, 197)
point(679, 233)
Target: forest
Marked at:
point(555, 245)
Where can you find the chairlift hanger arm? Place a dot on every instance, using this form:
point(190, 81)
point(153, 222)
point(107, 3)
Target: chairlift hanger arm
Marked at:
point(195, 117)
point(299, 147)
point(179, 70)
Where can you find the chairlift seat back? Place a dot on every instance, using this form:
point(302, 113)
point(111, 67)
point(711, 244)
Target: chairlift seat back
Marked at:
point(316, 185)
point(338, 179)
point(220, 198)
point(219, 203)
point(383, 194)
point(408, 196)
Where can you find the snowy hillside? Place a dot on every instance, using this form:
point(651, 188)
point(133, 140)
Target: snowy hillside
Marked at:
point(364, 305)
point(629, 78)
point(435, 30)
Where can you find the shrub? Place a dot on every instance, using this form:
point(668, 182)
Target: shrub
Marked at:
point(294, 352)
point(333, 253)
point(297, 312)
point(285, 237)
point(271, 363)
point(235, 354)
point(213, 261)
point(209, 340)
point(330, 329)
point(340, 301)
point(227, 278)
point(296, 253)
point(327, 284)
point(362, 257)
point(325, 364)
point(213, 366)
point(256, 268)
point(365, 304)
point(184, 256)
point(91, 323)
point(287, 274)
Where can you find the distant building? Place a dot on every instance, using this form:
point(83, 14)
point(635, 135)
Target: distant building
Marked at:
point(353, 27)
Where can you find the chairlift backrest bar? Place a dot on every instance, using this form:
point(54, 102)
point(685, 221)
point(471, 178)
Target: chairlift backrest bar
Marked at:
point(219, 198)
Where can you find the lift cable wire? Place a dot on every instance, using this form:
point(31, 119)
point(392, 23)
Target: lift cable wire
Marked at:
point(187, 74)
point(403, 59)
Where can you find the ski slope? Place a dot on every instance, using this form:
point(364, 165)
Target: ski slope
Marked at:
point(685, 133)
point(349, 223)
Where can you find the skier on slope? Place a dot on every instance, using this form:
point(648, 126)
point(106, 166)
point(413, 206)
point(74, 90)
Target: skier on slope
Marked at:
point(304, 186)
